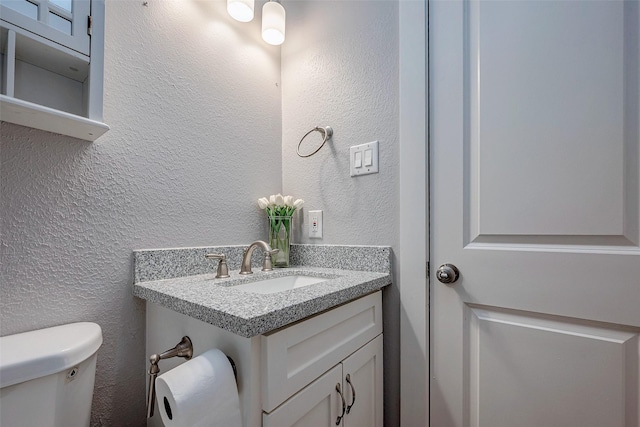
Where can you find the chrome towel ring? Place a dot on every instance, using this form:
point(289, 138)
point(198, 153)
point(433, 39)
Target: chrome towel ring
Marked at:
point(327, 133)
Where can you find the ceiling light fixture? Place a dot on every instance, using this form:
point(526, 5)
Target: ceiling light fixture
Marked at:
point(273, 23)
point(241, 10)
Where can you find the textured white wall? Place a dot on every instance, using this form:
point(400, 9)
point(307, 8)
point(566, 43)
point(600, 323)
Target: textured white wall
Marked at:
point(193, 101)
point(340, 69)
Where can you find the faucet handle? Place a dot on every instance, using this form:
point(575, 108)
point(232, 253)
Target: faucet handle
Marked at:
point(223, 268)
point(267, 264)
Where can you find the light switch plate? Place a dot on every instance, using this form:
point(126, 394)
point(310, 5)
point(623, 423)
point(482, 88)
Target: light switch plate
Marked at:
point(315, 224)
point(359, 156)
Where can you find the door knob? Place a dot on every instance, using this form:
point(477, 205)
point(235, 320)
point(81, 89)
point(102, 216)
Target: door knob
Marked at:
point(447, 273)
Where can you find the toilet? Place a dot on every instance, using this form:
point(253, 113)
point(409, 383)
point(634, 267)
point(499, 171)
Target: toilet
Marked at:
point(47, 376)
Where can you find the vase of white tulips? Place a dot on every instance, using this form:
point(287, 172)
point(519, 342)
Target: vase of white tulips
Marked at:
point(279, 210)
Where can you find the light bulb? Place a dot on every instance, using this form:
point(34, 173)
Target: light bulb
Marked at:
point(273, 23)
point(241, 10)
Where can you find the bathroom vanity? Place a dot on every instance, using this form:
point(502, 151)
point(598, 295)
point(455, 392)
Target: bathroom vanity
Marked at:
point(310, 355)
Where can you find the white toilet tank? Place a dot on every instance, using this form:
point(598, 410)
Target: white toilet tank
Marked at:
point(47, 376)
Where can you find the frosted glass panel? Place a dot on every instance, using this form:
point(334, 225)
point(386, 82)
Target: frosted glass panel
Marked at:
point(23, 6)
point(59, 23)
point(64, 4)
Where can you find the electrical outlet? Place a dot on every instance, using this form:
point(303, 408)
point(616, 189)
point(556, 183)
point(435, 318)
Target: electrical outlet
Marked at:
point(315, 224)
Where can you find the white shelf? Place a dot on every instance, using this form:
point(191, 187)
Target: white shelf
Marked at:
point(36, 116)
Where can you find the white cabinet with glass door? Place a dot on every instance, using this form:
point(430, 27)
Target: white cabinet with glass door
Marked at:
point(65, 22)
point(52, 65)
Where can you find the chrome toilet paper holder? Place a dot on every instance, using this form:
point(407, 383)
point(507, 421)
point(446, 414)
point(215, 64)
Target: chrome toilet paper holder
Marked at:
point(183, 349)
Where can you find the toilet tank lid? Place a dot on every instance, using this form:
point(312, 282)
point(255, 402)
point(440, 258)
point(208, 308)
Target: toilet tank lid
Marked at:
point(35, 354)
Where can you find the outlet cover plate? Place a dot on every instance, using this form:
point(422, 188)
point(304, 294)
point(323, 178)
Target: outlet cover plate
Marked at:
point(315, 224)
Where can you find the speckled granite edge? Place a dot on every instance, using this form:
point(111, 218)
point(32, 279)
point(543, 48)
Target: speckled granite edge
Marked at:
point(159, 264)
point(220, 303)
point(361, 258)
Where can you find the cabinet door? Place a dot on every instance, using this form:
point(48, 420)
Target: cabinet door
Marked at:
point(62, 21)
point(362, 379)
point(296, 355)
point(317, 405)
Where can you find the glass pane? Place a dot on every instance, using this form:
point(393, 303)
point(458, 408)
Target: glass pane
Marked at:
point(23, 6)
point(59, 23)
point(64, 4)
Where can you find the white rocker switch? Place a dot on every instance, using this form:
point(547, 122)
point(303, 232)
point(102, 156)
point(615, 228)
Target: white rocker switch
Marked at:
point(364, 158)
point(368, 157)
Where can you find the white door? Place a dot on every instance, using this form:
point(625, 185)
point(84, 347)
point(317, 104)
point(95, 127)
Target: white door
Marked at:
point(534, 133)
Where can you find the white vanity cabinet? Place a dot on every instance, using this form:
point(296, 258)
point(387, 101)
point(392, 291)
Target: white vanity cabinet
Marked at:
point(289, 377)
point(321, 403)
point(306, 361)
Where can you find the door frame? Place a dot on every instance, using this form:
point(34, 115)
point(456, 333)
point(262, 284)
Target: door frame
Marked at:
point(414, 212)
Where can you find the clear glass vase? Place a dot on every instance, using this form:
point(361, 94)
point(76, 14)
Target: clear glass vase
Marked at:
point(280, 238)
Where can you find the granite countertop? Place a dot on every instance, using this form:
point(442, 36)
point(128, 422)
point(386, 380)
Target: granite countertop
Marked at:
point(218, 302)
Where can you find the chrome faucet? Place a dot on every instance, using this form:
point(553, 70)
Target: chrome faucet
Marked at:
point(246, 257)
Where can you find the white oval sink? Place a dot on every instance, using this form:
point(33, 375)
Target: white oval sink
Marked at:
point(279, 284)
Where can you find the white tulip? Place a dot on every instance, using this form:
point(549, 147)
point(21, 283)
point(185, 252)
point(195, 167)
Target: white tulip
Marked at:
point(288, 201)
point(263, 202)
point(298, 203)
point(279, 200)
point(272, 199)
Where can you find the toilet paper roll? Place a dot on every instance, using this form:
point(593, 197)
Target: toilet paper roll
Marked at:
point(200, 392)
